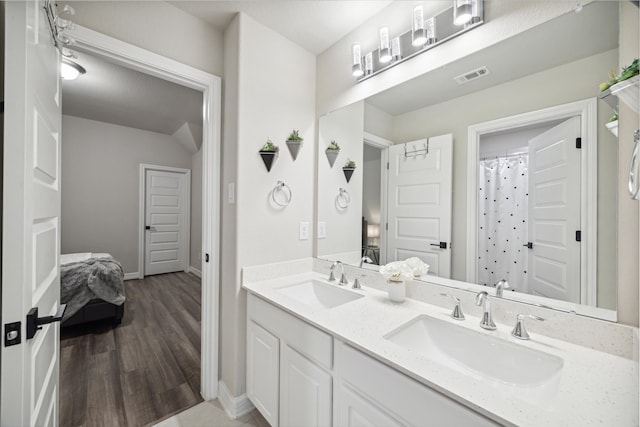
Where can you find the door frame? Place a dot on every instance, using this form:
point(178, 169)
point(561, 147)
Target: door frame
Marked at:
point(587, 109)
point(382, 144)
point(185, 228)
point(142, 60)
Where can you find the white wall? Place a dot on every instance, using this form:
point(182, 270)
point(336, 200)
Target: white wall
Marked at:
point(343, 231)
point(271, 93)
point(156, 26)
point(377, 122)
point(100, 174)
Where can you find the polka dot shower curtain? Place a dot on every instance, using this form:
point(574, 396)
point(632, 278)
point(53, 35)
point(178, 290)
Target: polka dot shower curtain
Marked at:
point(503, 223)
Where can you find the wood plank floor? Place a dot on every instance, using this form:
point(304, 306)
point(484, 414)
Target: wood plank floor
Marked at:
point(142, 370)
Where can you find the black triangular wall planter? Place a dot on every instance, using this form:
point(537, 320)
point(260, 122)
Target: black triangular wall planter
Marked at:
point(348, 172)
point(268, 157)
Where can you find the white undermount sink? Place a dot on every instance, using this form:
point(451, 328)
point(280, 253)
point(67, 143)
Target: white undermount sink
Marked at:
point(529, 374)
point(318, 294)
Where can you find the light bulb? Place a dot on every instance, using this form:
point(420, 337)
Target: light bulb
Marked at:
point(385, 49)
point(418, 37)
point(462, 11)
point(356, 60)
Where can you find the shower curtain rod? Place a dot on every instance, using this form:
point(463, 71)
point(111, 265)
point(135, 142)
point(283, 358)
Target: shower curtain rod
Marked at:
point(505, 156)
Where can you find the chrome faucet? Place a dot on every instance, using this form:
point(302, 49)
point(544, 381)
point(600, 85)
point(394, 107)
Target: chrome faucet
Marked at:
point(365, 259)
point(457, 310)
point(519, 331)
point(500, 286)
point(482, 298)
point(343, 277)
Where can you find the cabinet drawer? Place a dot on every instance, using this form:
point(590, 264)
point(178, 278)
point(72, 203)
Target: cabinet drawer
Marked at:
point(398, 395)
point(306, 339)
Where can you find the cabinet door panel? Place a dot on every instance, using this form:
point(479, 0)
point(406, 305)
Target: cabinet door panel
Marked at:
point(354, 410)
point(263, 354)
point(306, 392)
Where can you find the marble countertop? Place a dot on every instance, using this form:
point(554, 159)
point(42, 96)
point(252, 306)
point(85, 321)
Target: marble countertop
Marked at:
point(594, 388)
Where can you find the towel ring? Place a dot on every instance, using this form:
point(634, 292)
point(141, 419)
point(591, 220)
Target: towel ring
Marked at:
point(281, 186)
point(343, 199)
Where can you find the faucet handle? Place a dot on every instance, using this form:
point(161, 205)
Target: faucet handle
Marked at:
point(343, 279)
point(519, 331)
point(356, 282)
point(457, 310)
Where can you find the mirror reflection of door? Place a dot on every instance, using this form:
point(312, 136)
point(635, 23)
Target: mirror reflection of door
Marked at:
point(529, 210)
point(419, 203)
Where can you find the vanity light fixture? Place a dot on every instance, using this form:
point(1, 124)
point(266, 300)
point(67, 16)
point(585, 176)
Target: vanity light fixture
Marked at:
point(385, 46)
point(462, 12)
point(356, 60)
point(70, 70)
point(418, 35)
point(421, 36)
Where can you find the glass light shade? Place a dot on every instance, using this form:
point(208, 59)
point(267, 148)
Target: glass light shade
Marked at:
point(430, 29)
point(356, 60)
point(384, 49)
point(70, 70)
point(368, 63)
point(462, 11)
point(373, 230)
point(395, 48)
point(475, 11)
point(418, 37)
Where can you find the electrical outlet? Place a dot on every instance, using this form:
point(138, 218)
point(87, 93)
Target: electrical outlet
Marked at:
point(304, 230)
point(322, 229)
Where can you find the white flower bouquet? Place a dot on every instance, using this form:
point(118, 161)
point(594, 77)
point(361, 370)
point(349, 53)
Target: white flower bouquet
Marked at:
point(397, 271)
point(419, 267)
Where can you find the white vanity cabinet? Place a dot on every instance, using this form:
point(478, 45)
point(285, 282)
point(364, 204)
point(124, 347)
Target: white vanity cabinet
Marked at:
point(370, 393)
point(289, 367)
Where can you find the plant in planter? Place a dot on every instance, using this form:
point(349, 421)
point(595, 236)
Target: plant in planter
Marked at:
point(294, 142)
point(332, 152)
point(624, 74)
point(268, 152)
point(348, 169)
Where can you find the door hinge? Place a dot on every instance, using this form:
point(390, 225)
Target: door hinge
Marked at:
point(386, 226)
point(206, 257)
point(578, 142)
point(578, 236)
point(387, 165)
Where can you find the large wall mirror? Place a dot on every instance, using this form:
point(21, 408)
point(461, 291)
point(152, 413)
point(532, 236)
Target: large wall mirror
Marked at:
point(508, 173)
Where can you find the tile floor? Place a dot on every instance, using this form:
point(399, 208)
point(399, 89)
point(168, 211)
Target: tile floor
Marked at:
point(211, 414)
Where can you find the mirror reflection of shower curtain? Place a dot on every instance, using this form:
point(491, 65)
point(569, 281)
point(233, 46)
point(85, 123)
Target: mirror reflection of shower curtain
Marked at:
point(502, 222)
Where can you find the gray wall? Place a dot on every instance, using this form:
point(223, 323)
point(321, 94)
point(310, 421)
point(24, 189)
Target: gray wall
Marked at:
point(100, 174)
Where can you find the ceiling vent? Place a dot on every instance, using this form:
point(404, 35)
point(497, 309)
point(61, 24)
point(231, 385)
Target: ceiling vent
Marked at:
point(471, 75)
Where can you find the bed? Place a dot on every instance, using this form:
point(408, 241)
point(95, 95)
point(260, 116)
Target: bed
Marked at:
point(92, 286)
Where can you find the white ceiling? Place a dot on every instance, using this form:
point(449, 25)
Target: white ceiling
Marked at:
point(113, 94)
point(313, 24)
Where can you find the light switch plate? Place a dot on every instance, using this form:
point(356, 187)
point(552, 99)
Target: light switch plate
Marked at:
point(322, 229)
point(304, 230)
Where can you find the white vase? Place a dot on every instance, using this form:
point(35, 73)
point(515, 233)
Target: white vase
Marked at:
point(397, 290)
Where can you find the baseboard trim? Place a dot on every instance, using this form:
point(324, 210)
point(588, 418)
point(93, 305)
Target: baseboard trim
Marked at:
point(195, 271)
point(234, 406)
point(131, 276)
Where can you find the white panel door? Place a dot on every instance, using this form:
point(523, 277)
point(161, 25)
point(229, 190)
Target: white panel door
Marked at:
point(165, 219)
point(419, 204)
point(31, 215)
point(305, 398)
point(554, 212)
point(263, 362)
